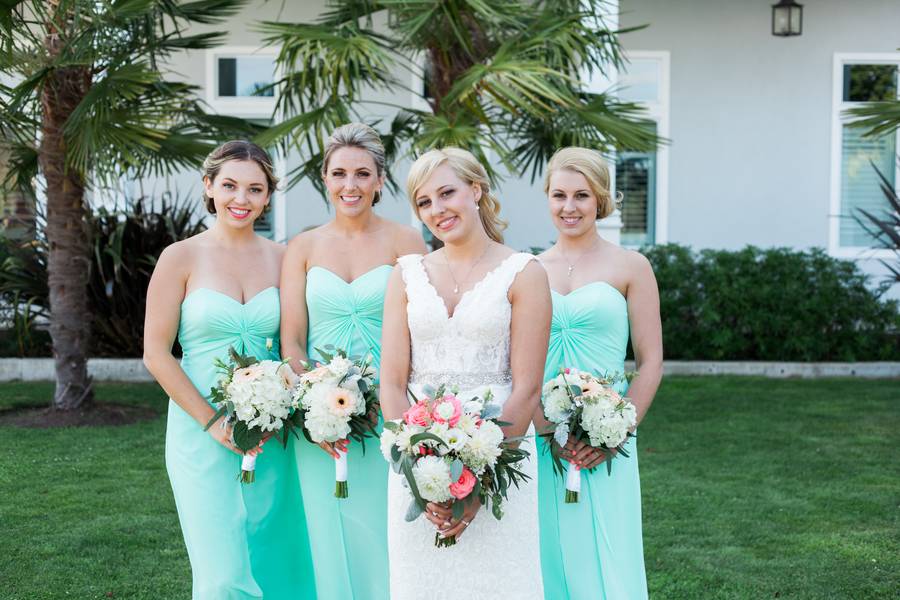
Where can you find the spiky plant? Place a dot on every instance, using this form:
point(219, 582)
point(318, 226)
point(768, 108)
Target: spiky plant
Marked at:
point(85, 103)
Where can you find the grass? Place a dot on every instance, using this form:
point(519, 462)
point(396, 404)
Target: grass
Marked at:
point(752, 488)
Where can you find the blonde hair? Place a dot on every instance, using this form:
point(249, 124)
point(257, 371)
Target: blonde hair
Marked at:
point(238, 150)
point(590, 164)
point(356, 135)
point(467, 168)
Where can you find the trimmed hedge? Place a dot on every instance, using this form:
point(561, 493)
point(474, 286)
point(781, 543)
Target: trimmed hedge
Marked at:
point(770, 304)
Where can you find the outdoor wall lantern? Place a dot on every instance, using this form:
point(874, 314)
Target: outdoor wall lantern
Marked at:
point(787, 18)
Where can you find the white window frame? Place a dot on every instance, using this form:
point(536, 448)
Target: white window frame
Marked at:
point(250, 108)
point(247, 107)
point(659, 112)
point(837, 107)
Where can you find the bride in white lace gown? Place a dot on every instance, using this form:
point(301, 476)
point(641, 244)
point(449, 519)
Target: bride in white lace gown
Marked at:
point(474, 314)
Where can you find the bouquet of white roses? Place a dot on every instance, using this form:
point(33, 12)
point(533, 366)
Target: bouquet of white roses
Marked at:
point(586, 407)
point(256, 399)
point(453, 450)
point(337, 400)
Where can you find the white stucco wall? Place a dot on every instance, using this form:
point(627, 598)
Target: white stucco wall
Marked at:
point(751, 114)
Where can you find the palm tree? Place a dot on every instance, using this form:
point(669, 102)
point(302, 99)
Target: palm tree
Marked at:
point(88, 105)
point(502, 75)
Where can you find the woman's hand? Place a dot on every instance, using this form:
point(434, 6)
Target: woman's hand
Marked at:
point(441, 515)
point(332, 448)
point(585, 456)
point(222, 434)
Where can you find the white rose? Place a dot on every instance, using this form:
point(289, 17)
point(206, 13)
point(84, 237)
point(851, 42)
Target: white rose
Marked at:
point(483, 447)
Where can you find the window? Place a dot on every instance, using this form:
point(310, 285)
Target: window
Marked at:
point(855, 184)
point(641, 176)
point(238, 81)
point(245, 76)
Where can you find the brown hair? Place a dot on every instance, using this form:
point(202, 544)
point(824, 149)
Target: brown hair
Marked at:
point(237, 150)
point(467, 168)
point(590, 164)
point(356, 135)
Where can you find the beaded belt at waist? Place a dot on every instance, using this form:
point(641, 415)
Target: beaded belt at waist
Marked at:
point(463, 380)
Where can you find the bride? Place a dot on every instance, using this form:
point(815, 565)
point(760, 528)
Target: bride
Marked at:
point(474, 314)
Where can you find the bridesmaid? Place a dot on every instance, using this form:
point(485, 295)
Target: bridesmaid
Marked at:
point(218, 290)
point(594, 549)
point(333, 280)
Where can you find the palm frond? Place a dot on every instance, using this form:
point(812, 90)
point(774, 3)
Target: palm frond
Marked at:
point(880, 118)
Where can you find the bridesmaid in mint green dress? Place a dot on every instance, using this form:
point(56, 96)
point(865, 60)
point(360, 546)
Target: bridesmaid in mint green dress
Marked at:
point(215, 291)
point(332, 293)
point(593, 549)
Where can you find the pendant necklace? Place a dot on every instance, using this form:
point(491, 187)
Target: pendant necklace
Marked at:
point(455, 282)
point(571, 264)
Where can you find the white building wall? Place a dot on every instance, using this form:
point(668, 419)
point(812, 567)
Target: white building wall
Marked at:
point(749, 118)
point(751, 114)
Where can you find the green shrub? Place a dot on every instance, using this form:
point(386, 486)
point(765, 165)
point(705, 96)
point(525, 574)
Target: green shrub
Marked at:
point(772, 304)
point(126, 244)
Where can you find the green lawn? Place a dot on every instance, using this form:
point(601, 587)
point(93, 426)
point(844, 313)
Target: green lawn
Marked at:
point(752, 488)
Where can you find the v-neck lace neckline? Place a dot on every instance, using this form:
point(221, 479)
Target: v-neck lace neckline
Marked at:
point(466, 293)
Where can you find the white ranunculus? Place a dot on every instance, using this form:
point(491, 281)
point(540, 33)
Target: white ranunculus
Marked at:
point(340, 366)
point(432, 476)
point(557, 405)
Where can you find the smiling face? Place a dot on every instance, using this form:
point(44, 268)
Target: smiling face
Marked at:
point(572, 203)
point(351, 178)
point(447, 205)
point(240, 192)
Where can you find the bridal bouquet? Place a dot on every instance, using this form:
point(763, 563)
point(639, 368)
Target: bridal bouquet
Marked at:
point(256, 398)
point(450, 450)
point(587, 407)
point(336, 401)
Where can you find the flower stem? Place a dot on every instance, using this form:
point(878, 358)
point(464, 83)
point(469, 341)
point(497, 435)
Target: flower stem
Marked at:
point(444, 542)
point(340, 489)
point(571, 497)
point(248, 476)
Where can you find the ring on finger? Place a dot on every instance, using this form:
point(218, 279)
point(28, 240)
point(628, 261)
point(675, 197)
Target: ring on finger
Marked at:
point(464, 522)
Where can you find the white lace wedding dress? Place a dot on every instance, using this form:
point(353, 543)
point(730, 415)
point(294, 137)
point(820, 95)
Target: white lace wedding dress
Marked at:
point(493, 559)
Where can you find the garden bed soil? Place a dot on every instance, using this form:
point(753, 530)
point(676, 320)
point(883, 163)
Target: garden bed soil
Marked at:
point(96, 415)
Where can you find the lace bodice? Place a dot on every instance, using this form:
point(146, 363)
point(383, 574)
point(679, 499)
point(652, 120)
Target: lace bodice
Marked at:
point(471, 347)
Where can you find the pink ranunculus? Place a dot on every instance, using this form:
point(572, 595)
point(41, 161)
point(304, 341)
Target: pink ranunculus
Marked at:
point(417, 414)
point(447, 410)
point(463, 487)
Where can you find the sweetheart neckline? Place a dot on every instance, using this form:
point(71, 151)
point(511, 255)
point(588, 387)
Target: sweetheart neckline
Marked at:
point(341, 279)
point(587, 285)
point(230, 297)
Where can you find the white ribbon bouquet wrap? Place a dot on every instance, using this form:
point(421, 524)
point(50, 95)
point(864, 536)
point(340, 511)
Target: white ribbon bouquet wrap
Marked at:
point(337, 400)
point(256, 398)
point(588, 408)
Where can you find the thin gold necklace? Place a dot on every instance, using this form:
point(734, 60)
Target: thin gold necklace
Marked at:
point(571, 264)
point(455, 282)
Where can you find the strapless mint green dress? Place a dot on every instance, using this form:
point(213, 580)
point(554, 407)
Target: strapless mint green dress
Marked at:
point(591, 550)
point(348, 536)
point(244, 541)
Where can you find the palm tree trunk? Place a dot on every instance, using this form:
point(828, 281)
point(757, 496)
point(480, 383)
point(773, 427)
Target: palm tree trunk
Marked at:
point(67, 234)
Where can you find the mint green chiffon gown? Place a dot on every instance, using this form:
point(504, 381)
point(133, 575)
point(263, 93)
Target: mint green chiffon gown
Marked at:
point(348, 536)
point(244, 541)
point(593, 549)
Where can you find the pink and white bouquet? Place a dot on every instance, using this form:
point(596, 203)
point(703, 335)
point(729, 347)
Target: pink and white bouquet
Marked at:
point(450, 450)
point(588, 408)
point(255, 396)
point(337, 400)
